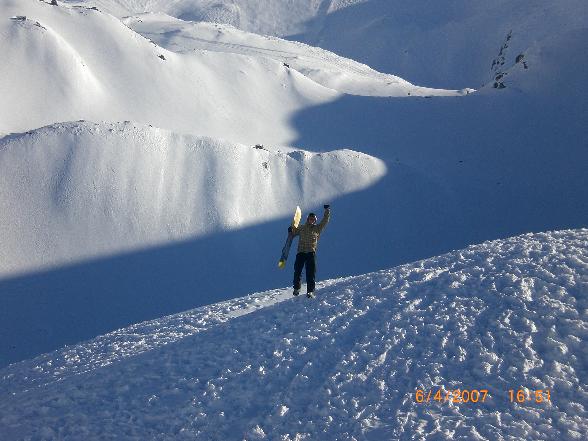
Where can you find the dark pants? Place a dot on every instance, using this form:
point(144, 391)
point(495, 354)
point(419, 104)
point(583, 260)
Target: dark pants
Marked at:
point(308, 259)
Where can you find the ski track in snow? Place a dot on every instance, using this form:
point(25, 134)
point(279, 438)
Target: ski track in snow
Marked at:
point(500, 315)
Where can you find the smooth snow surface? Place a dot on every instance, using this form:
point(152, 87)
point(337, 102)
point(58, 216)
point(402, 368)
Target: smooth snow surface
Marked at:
point(274, 17)
point(71, 63)
point(101, 189)
point(502, 315)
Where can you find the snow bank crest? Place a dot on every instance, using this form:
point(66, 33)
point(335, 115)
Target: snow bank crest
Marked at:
point(84, 189)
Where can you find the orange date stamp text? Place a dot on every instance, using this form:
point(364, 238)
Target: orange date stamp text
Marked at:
point(442, 395)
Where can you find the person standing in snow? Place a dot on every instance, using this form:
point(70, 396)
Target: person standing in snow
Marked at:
point(309, 234)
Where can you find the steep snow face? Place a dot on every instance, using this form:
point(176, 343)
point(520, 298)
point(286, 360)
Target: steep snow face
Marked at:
point(81, 190)
point(70, 63)
point(467, 327)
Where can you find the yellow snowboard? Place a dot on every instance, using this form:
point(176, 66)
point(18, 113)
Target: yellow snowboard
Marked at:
point(286, 249)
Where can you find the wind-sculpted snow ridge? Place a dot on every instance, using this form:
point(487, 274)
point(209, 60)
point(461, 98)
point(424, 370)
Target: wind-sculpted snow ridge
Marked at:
point(505, 315)
point(81, 190)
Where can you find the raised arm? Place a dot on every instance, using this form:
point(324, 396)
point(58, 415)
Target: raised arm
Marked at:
point(325, 219)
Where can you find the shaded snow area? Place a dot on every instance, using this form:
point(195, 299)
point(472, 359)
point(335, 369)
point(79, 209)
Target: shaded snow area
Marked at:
point(504, 315)
point(86, 195)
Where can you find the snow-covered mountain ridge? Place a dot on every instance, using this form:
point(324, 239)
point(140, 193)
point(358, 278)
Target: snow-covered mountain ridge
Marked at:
point(80, 63)
point(504, 315)
point(82, 190)
point(79, 196)
point(441, 43)
point(69, 63)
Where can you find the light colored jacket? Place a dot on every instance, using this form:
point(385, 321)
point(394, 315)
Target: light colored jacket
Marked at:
point(309, 234)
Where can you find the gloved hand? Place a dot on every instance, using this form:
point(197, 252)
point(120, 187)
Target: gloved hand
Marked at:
point(290, 229)
point(327, 207)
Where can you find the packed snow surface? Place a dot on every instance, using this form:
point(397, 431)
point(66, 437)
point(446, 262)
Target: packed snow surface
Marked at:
point(504, 315)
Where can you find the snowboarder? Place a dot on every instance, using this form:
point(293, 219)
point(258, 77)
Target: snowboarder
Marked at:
point(309, 234)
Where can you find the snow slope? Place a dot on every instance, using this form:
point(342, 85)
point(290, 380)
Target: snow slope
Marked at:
point(81, 190)
point(59, 72)
point(459, 170)
point(71, 63)
point(273, 17)
point(437, 43)
point(84, 193)
point(445, 44)
point(503, 315)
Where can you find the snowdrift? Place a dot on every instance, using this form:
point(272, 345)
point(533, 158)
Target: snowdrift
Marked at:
point(504, 315)
point(83, 190)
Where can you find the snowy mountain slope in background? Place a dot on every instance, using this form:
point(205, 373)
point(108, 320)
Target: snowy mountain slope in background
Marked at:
point(70, 63)
point(494, 164)
point(503, 315)
point(445, 44)
point(325, 68)
point(81, 190)
point(449, 44)
point(77, 63)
